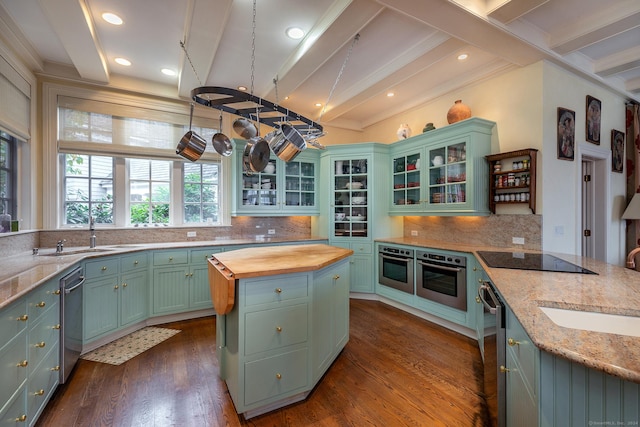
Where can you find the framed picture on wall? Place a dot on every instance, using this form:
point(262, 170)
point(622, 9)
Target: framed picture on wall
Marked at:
point(566, 133)
point(593, 120)
point(617, 151)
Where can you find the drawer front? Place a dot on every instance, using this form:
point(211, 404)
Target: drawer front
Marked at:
point(13, 320)
point(101, 268)
point(275, 328)
point(42, 381)
point(200, 256)
point(275, 376)
point(43, 336)
point(13, 375)
point(362, 248)
point(524, 351)
point(40, 300)
point(164, 258)
point(265, 291)
point(15, 411)
point(134, 262)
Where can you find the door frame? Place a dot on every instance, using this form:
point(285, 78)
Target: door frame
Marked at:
point(600, 205)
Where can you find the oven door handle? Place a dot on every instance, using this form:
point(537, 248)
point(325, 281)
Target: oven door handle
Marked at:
point(485, 287)
point(441, 267)
point(407, 260)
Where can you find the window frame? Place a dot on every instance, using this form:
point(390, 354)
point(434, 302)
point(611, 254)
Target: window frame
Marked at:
point(12, 172)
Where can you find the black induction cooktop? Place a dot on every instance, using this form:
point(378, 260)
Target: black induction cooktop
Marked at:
point(530, 261)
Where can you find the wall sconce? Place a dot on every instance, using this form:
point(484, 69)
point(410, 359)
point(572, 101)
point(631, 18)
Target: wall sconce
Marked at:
point(632, 212)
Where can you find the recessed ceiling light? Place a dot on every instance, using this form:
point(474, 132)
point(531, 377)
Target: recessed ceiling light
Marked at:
point(462, 56)
point(168, 72)
point(123, 61)
point(112, 18)
point(242, 88)
point(294, 33)
point(318, 104)
point(390, 94)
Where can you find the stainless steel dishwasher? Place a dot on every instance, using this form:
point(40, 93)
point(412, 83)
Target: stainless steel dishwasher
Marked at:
point(71, 315)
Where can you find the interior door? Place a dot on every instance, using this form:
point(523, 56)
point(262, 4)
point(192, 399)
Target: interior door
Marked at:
point(587, 208)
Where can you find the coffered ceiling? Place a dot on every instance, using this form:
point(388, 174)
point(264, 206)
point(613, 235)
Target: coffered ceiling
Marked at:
point(406, 47)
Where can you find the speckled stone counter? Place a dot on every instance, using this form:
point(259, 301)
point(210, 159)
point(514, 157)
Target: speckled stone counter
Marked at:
point(24, 272)
point(615, 290)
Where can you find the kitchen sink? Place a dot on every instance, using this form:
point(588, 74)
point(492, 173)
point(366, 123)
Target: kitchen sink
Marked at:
point(594, 321)
point(76, 252)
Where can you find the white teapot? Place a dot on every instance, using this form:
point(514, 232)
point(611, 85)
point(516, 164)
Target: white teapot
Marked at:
point(437, 161)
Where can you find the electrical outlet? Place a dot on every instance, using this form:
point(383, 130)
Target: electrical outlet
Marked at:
point(271, 231)
point(518, 240)
point(414, 233)
point(191, 234)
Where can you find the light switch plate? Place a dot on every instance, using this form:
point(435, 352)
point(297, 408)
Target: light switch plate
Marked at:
point(191, 234)
point(271, 231)
point(414, 233)
point(518, 240)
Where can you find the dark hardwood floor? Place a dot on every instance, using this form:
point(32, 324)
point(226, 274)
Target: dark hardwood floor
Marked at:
point(396, 370)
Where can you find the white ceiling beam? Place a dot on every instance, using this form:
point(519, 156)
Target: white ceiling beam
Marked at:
point(633, 85)
point(593, 28)
point(72, 22)
point(506, 11)
point(618, 62)
point(204, 28)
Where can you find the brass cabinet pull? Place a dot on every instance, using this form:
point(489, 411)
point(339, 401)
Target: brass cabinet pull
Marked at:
point(512, 342)
point(279, 328)
point(278, 290)
point(135, 262)
point(336, 277)
point(22, 418)
point(41, 304)
point(56, 326)
point(503, 369)
point(278, 376)
point(104, 268)
point(40, 344)
point(478, 300)
point(124, 285)
point(23, 364)
point(116, 287)
point(55, 368)
point(170, 258)
point(39, 392)
point(23, 318)
point(56, 292)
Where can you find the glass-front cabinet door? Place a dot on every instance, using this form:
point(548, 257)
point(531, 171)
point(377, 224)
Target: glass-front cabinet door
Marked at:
point(259, 188)
point(406, 180)
point(351, 198)
point(300, 184)
point(448, 174)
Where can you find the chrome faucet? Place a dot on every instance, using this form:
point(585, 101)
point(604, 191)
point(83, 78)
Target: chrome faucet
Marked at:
point(60, 246)
point(631, 258)
point(92, 228)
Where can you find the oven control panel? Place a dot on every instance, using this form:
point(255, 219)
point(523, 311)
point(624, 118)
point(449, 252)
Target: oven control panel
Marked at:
point(392, 250)
point(442, 259)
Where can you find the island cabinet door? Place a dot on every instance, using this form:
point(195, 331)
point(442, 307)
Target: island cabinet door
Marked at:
point(330, 315)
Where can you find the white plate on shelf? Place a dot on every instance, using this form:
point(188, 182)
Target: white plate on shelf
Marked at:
point(357, 218)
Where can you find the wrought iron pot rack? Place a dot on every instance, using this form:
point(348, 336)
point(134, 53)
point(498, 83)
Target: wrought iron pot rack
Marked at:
point(244, 104)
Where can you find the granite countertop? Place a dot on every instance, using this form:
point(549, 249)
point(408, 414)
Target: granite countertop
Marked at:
point(24, 272)
point(254, 262)
point(614, 290)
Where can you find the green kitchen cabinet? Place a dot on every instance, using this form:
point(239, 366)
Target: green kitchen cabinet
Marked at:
point(184, 284)
point(443, 171)
point(281, 189)
point(29, 354)
point(354, 205)
point(115, 294)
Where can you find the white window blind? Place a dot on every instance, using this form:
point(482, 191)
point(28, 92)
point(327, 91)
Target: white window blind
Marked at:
point(15, 94)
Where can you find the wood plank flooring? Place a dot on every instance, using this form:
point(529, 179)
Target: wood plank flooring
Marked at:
point(396, 370)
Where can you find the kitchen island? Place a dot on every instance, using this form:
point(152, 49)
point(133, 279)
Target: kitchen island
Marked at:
point(282, 319)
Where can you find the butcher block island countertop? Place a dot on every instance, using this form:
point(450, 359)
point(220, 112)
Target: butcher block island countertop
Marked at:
point(282, 319)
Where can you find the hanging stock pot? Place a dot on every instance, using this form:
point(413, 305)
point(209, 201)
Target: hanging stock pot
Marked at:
point(245, 128)
point(191, 145)
point(221, 142)
point(286, 142)
point(256, 155)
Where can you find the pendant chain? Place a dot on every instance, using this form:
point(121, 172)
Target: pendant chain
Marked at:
point(344, 64)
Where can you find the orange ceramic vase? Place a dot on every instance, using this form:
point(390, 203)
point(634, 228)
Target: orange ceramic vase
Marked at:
point(458, 112)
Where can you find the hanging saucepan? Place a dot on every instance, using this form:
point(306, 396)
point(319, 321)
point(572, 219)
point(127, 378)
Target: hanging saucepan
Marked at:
point(191, 145)
point(221, 142)
point(256, 155)
point(245, 128)
point(286, 142)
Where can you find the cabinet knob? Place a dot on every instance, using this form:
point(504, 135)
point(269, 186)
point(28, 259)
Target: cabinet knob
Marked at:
point(503, 369)
point(478, 300)
point(56, 292)
point(41, 304)
point(23, 364)
point(39, 392)
point(40, 344)
point(116, 287)
point(475, 269)
point(22, 418)
point(278, 290)
point(279, 376)
point(104, 268)
point(56, 326)
point(480, 280)
point(279, 328)
point(336, 277)
point(55, 368)
point(170, 258)
point(23, 318)
point(512, 342)
point(124, 285)
point(135, 262)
